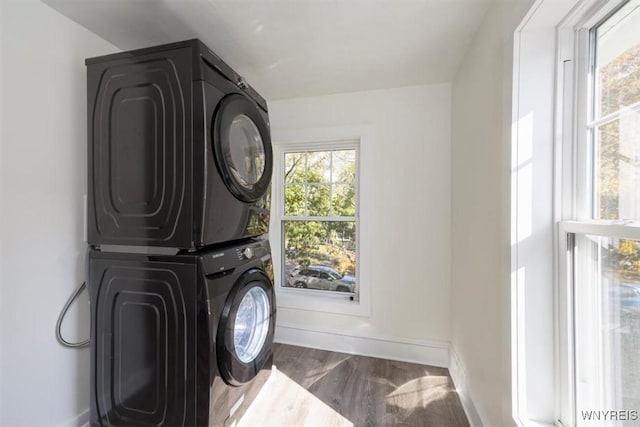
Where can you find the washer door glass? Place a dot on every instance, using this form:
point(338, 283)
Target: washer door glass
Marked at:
point(244, 151)
point(251, 324)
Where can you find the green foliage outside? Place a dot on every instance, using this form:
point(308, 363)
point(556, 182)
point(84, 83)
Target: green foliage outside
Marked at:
point(619, 87)
point(619, 83)
point(320, 184)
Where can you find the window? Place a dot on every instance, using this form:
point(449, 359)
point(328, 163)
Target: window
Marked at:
point(319, 219)
point(322, 228)
point(601, 237)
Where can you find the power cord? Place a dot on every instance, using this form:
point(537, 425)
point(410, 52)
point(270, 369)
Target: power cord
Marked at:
point(61, 340)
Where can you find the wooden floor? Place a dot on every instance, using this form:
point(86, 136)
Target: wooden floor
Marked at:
point(322, 388)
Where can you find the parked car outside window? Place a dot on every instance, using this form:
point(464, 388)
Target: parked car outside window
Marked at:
point(323, 278)
point(627, 296)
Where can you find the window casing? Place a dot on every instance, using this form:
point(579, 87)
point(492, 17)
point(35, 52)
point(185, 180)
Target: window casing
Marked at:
point(599, 233)
point(341, 222)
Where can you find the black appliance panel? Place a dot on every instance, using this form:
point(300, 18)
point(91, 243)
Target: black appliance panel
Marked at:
point(228, 404)
point(140, 187)
point(160, 338)
point(170, 128)
point(228, 271)
point(226, 218)
point(143, 340)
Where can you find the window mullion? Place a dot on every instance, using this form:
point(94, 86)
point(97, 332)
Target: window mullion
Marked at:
point(320, 218)
point(625, 230)
point(616, 115)
point(306, 183)
point(331, 182)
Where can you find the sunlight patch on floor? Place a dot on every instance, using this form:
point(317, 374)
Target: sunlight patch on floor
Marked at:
point(286, 403)
point(420, 392)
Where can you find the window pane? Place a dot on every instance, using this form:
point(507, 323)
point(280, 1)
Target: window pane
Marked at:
point(294, 168)
point(619, 168)
point(618, 60)
point(318, 199)
point(294, 200)
point(320, 255)
point(607, 315)
point(344, 166)
point(318, 166)
point(344, 199)
point(320, 183)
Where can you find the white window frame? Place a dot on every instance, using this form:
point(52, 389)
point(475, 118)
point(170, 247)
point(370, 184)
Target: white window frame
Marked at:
point(322, 139)
point(573, 186)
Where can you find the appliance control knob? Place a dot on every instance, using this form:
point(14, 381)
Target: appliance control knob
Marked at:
point(242, 84)
point(248, 252)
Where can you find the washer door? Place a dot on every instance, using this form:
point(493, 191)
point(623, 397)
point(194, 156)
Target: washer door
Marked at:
point(245, 332)
point(242, 147)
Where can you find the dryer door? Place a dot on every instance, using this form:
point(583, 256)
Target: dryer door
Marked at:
point(242, 147)
point(244, 341)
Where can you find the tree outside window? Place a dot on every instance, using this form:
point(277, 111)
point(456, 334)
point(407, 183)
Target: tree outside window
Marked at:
point(320, 220)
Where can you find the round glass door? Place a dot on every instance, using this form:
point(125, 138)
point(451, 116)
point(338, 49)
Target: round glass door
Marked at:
point(244, 341)
point(242, 147)
point(251, 324)
point(245, 151)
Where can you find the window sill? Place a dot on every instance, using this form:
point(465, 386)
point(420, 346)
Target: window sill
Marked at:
point(310, 300)
point(526, 422)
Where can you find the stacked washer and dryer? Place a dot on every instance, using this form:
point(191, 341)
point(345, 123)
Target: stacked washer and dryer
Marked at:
point(180, 277)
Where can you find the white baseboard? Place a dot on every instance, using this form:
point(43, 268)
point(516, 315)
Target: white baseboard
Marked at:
point(81, 420)
point(459, 377)
point(434, 353)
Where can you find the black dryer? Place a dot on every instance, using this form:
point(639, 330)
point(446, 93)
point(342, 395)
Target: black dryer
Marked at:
point(179, 150)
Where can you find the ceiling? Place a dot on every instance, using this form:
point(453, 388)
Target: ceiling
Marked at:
point(295, 48)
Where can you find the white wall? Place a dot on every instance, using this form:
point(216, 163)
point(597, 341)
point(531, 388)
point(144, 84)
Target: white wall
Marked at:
point(42, 182)
point(408, 175)
point(480, 294)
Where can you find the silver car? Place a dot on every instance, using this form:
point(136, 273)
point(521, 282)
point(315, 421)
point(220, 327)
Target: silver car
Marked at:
point(324, 278)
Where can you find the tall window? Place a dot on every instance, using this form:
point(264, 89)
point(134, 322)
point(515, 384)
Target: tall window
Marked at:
point(320, 218)
point(603, 240)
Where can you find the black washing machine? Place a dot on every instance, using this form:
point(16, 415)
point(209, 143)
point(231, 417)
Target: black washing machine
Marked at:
point(180, 340)
point(179, 150)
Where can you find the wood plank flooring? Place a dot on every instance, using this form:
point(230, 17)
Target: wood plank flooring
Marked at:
point(322, 388)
